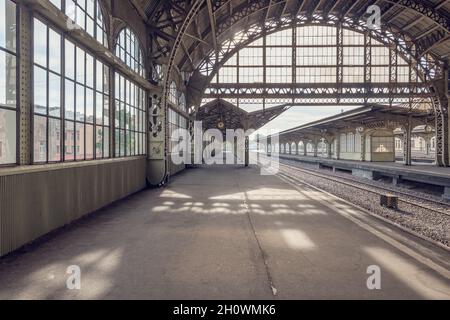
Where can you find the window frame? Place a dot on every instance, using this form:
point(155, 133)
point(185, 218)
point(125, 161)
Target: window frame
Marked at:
point(63, 119)
point(17, 109)
point(97, 19)
point(118, 46)
point(140, 122)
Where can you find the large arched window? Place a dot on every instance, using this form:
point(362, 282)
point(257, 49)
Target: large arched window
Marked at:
point(87, 14)
point(8, 76)
point(70, 99)
point(311, 56)
point(130, 114)
point(129, 51)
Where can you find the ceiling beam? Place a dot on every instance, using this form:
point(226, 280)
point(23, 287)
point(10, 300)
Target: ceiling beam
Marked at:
point(212, 21)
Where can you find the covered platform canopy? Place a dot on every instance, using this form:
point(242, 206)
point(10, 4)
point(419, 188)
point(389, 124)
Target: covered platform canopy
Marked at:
point(364, 134)
point(375, 116)
point(223, 115)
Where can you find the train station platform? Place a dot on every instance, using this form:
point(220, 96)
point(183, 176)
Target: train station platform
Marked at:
point(228, 232)
point(423, 173)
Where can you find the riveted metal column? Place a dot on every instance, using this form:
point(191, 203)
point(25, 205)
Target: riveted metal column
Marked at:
point(393, 72)
point(340, 60)
point(24, 86)
point(247, 151)
point(407, 135)
point(363, 147)
point(316, 148)
point(338, 146)
point(367, 64)
point(329, 153)
point(441, 103)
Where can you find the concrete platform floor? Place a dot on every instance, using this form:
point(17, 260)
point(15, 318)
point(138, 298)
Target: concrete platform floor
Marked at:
point(228, 233)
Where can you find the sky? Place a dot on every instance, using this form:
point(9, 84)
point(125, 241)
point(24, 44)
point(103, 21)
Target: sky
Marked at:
point(300, 115)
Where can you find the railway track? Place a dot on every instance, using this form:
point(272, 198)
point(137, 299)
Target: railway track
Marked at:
point(436, 206)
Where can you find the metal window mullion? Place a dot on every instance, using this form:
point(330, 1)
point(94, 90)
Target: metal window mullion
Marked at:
point(85, 109)
point(393, 72)
point(340, 60)
point(367, 63)
point(62, 99)
point(294, 55)
point(95, 110)
point(24, 67)
point(264, 60)
point(412, 90)
point(112, 113)
point(47, 92)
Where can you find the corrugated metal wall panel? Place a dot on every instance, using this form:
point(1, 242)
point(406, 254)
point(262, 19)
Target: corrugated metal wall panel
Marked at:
point(33, 204)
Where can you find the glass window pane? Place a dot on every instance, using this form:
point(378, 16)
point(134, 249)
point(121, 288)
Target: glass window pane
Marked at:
point(54, 51)
point(106, 111)
point(90, 29)
point(79, 141)
point(40, 139)
point(69, 137)
point(80, 69)
point(40, 43)
point(7, 136)
point(122, 143)
point(99, 142)
point(106, 79)
point(69, 60)
point(106, 149)
point(70, 100)
point(99, 76)
point(8, 83)
point(56, 3)
point(80, 17)
point(40, 90)
point(54, 93)
point(89, 142)
point(89, 71)
point(71, 9)
point(80, 103)
point(8, 25)
point(54, 143)
point(99, 109)
point(90, 8)
point(89, 106)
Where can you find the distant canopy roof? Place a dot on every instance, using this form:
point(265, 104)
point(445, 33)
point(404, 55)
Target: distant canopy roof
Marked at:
point(223, 115)
point(365, 117)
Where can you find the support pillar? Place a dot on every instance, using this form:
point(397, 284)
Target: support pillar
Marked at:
point(338, 147)
point(363, 148)
point(329, 153)
point(316, 147)
point(442, 105)
point(427, 145)
point(407, 135)
point(247, 151)
point(305, 149)
point(24, 47)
